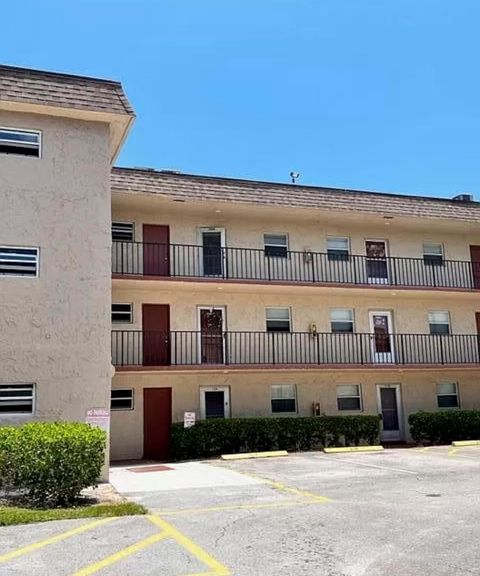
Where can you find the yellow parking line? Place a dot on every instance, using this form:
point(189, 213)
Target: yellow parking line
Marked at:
point(283, 488)
point(53, 539)
point(183, 511)
point(122, 554)
point(215, 566)
point(453, 451)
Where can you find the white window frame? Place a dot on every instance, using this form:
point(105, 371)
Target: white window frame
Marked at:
point(19, 385)
point(430, 323)
point(457, 395)
point(131, 312)
point(289, 319)
point(132, 398)
point(359, 396)
point(272, 398)
point(349, 251)
point(278, 234)
point(19, 142)
point(132, 224)
point(433, 254)
point(37, 261)
point(226, 400)
point(351, 310)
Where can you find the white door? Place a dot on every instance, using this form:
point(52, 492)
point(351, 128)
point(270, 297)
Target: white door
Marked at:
point(376, 261)
point(212, 251)
point(214, 402)
point(390, 409)
point(381, 334)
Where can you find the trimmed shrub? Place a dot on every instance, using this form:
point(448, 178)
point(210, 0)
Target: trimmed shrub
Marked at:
point(49, 463)
point(445, 426)
point(232, 435)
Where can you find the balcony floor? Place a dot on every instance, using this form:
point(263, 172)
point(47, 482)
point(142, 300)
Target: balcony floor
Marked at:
point(295, 367)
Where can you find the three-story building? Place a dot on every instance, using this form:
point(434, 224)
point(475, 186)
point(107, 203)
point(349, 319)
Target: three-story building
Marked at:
point(218, 296)
point(238, 298)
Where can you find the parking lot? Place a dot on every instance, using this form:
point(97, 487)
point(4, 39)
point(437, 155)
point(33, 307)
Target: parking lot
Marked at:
point(399, 512)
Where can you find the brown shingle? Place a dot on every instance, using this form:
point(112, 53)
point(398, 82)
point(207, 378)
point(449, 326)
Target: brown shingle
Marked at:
point(207, 188)
point(63, 90)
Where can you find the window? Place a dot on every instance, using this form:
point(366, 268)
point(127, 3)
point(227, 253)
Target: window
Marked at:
point(21, 142)
point(447, 395)
point(348, 397)
point(16, 398)
point(432, 254)
point(122, 231)
point(341, 321)
point(284, 398)
point(121, 399)
point(122, 313)
point(439, 322)
point(276, 245)
point(18, 261)
point(278, 319)
point(338, 248)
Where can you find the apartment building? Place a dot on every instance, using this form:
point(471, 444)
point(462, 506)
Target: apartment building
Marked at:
point(59, 135)
point(155, 293)
point(236, 298)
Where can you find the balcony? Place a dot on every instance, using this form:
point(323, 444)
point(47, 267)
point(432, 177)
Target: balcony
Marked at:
point(252, 265)
point(184, 348)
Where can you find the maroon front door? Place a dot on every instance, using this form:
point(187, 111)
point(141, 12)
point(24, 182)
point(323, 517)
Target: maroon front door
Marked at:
point(157, 420)
point(211, 326)
point(475, 257)
point(156, 250)
point(156, 334)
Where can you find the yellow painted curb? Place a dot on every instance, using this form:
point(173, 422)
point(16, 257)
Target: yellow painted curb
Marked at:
point(466, 443)
point(353, 449)
point(247, 455)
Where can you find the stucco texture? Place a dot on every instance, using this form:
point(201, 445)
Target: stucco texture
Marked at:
point(55, 329)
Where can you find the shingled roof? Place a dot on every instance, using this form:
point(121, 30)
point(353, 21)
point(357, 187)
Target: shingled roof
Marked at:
point(62, 90)
point(215, 189)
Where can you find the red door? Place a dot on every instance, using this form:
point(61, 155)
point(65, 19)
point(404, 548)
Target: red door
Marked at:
point(156, 334)
point(475, 257)
point(156, 250)
point(157, 420)
point(211, 326)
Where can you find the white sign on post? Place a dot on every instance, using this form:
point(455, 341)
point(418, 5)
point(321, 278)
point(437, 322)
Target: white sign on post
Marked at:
point(98, 417)
point(188, 419)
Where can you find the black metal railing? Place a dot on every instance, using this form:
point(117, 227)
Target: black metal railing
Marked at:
point(190, 261)
point(188, 348)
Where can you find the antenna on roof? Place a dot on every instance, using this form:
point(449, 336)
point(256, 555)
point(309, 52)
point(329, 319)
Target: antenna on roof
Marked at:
point(294, 176)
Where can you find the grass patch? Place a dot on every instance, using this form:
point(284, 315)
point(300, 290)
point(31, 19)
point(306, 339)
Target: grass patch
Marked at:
point(10, 515)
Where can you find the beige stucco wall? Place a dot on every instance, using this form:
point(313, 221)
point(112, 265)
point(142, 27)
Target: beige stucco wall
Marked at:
point(250, 394)
point(245, 227)
point(55, 329)
point(245, 309)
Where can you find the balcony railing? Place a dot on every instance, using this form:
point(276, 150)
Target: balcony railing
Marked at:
point(185, 348)
point(189, 261)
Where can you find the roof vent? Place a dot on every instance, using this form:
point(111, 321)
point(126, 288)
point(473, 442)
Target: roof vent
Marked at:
point(463, 198)
point(169, 171)
point(144, 168)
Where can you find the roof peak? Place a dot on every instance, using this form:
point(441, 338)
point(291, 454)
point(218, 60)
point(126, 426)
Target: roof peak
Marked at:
point(58, 75)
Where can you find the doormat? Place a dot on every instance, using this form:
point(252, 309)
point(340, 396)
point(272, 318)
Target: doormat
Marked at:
point(157, 468)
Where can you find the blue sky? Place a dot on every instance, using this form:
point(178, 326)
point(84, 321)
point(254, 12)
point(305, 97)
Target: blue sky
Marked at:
point(367, 94)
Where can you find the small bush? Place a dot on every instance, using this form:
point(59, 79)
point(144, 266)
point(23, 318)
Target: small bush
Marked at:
point(49, 463)
point(445, 426)
point(221, 436)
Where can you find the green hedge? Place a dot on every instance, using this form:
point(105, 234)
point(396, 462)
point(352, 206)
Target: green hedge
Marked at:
point(221, 436)
point(50, 463)
point(445, 426)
